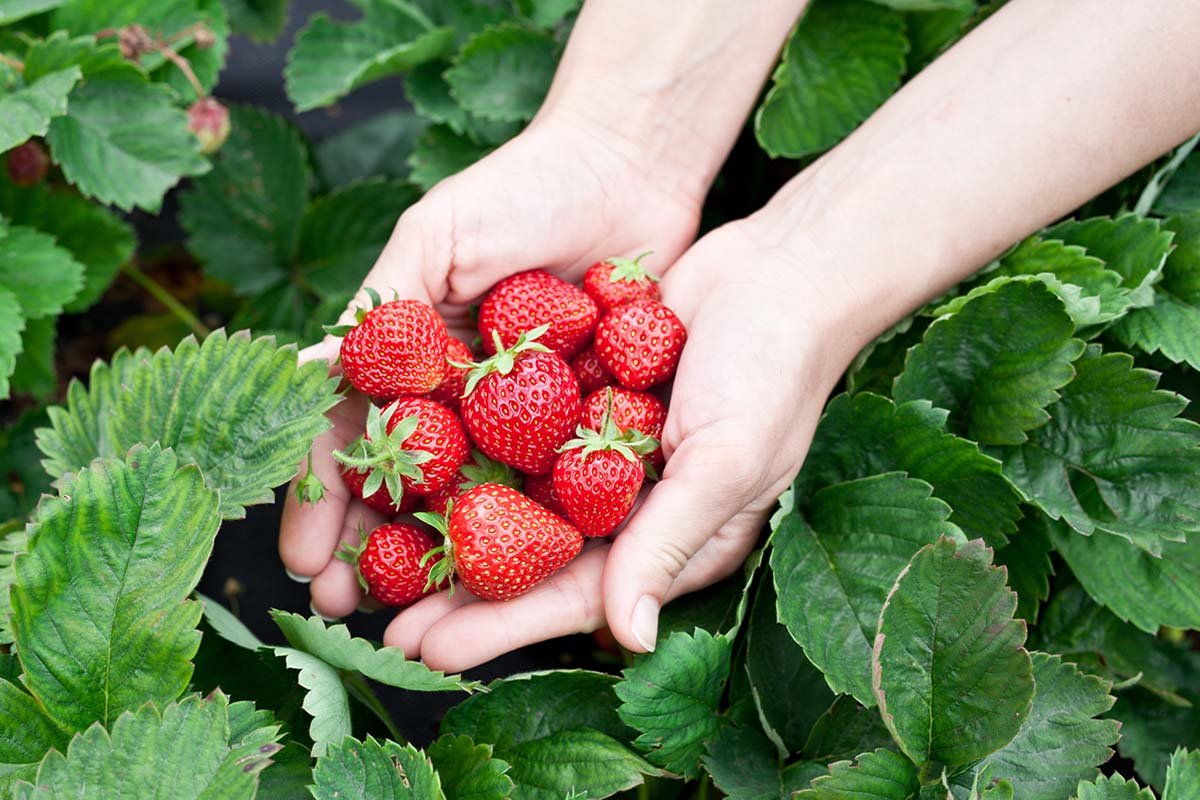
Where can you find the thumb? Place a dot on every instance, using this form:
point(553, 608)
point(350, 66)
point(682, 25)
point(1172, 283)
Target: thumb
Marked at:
point(683, 512)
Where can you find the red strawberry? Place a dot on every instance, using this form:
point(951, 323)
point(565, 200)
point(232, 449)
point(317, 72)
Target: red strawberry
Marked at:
point(389, 563)
point(381, 499)
point(396, 348)
point(640, 343)
point(449, 391)
point(631, 411)
point(540, 489)
point(521, 405)
point(28, 163)
point(480, 469)
point(528, 300)
point(615, 281)
point(413, 446)
point(598, 476)
point(590, 373)
point(501, 543)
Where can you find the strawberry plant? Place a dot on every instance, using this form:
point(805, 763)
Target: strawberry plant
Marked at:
point(984, 582)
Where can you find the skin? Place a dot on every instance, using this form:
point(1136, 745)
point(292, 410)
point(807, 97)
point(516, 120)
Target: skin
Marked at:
point(1036, 111)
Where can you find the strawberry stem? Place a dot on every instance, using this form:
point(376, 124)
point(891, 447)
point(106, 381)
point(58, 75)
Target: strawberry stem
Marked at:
point(505, 358)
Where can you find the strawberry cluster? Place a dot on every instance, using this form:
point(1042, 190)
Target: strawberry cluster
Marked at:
point(517, 457)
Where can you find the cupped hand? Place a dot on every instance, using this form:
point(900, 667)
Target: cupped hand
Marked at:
point(560, 196)
point(765, 348)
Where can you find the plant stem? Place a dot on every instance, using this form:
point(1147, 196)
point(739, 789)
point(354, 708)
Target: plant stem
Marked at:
point(357, 687)
point(156, 290)
point(15, 63)
point(184, 67)
point(702, 791)
point(1160, 179)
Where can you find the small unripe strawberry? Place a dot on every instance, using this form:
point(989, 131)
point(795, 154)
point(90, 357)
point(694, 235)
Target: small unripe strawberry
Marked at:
point(209, 121)
point(28, 163)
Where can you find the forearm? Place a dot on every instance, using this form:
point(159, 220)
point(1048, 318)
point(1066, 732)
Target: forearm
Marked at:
point(674, 87)
point(1035, 112)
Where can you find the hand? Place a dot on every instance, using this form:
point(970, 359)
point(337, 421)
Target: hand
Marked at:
point(560, 196)
point(765, 348)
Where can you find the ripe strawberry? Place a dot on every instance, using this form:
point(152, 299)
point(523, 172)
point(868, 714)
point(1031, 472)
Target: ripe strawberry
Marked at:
point(540, 489)
point(615, 281)
point(397, 348)
point(640, 343)
point(631, 411)
point(598, 476)
point(501, 543)
point(590, 373)
point(381, 499)
point(28, 163)
point(521, 404)
point(449, 391)
point(531, 299)
point(480, 469)
point(389, 563)
point(413, 446)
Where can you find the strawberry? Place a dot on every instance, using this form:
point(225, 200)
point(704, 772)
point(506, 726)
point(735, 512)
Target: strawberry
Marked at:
point(480, 469)
point(449, 391)
point(640, 343)
point(397, 348)
point(381, 499)
point(540, 489)
point(615, 281)
point(590, 373)
point(413, 446)
point(631, 411)
point(389, 563)
point(598, 476)
point(531, 299)
point(500, 543)
point(522, 404)
point(27, 163)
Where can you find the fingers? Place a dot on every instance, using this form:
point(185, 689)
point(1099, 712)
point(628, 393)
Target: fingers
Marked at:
point(410, 626)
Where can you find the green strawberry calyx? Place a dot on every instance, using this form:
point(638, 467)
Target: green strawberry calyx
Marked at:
point(630, 443)
point(360, 313)
point(481, 469)
point(504, 359)
point(630, 270)
point(309, 489)
point(441, 573)
point(351, 553)
point(382, 455)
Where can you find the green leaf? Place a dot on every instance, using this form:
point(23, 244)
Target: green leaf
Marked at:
point(97, 238)
point(331, 59)
point(13, 10)
point(27, 111)
point(335, 646)
point(27, 734)
point(468, 771)
point(43, 276)
point(547, 13)
point(374, 770)
point(261, 20)
point(1112, 788)
point(1027, 559)
point(671, 698)
point(1060, 743)
point(931, 33)
point(880, 775)
point(951, 676)
point(125, 142)
point(928, 5)
point(867, 434)
point(845, 730)
point(380, 146)
point(716, 609)
point(429, 94)
point(790, 693)
point(184, 752)
point(140, 530)
point(1115, 456)
point(1132, 246)
point(832, 572)
point(1182, 193)
point(326, 701)
point(243, 217)
point(559, 731)
point(440, 153)
point(10, 337)
point(1130, 582)
point(241, 409)
point(1171, 325)
point(744, 765)
point(342, 233)
point(504, 72)
point(844, 59)
point(1183, 776)
point(34, 373)
point(1152, 728)
point(996, 364)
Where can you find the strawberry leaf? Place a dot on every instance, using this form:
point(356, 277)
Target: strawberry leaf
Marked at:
point(378, 147)
point(842, 61)
point(440, 153)
point(878, 775)
point(745, 766)
point(261, 20)
point(34, 374)
point(30, 733)
point(1132, 246)
point(371, 769)
point(1111, 788)
point(504, 72)
point(26, 110)
point(1183, 775)
point(13, 10)
point(1151, 728)
point(429, 93)
point(10, 337)
point(43, 276)
point(468, 771)
point(1027, 559)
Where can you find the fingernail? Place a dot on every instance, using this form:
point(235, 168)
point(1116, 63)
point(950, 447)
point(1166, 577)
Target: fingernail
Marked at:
point(644, 622)
point(298, 578)
point(316, 613)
